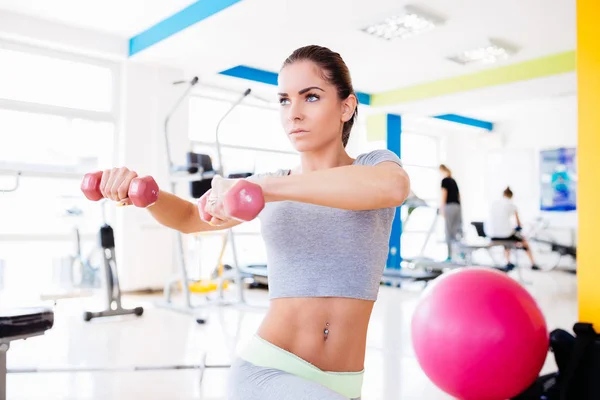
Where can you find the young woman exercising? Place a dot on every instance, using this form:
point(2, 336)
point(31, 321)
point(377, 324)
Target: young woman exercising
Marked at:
point(450, 209)
point(326, 227)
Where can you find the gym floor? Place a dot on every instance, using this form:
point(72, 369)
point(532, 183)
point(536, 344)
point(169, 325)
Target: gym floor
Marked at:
point(162, 337)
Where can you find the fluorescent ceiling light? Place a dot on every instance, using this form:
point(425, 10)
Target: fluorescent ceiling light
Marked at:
point(487, 54)
point(409, 23)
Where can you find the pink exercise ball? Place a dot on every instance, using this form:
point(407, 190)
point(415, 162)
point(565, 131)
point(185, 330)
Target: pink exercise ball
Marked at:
point(479, 335)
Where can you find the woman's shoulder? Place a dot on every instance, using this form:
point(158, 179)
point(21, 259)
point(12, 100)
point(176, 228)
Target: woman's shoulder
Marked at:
point(378, 156)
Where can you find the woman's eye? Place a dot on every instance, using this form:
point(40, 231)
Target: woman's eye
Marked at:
point(284, 101)
point(312, 97)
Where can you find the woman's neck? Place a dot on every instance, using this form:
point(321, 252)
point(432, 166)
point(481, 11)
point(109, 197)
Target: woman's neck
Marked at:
point(328, 157)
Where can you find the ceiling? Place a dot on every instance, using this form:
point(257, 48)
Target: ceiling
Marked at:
point(262, 33)
point(277, 27)
point(122, 17)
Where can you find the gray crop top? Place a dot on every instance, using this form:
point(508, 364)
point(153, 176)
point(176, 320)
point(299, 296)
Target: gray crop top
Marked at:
point(317, 251)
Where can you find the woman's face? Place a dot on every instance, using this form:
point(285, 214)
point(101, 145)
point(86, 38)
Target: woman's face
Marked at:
point(311, 113)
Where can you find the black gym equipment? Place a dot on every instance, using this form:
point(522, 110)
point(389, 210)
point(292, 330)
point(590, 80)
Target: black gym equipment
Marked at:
point(113, 289)
point(562, 250)
point(200, 162)
point(17, 324)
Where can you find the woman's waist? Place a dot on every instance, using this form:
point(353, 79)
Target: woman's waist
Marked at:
point(262, 353)
point(329, 333)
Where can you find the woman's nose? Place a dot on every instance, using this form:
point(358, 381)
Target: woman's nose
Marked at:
point(295, 113)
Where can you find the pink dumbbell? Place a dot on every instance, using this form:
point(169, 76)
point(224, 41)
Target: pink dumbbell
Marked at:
point(243, 201)
point(143, 192)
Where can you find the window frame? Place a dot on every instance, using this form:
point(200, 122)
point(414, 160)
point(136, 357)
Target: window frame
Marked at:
point(112, 116)
point(30, 170)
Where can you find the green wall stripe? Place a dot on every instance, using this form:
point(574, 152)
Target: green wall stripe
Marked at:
point(537, 68)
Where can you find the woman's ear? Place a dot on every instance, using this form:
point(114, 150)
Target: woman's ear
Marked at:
point(348, 107)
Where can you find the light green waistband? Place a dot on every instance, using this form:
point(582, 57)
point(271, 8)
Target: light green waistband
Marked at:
point(264, 354)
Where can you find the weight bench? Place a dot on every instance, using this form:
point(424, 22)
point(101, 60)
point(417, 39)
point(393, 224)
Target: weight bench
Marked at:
point(20, 323)
point(469, 248)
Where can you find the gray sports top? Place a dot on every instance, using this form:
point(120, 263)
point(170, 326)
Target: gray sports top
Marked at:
point(317, 251)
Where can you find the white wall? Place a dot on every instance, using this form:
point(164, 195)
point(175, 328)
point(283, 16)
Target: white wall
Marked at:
point(484, 164)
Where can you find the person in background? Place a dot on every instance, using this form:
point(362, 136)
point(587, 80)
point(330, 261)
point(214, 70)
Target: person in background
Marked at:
point(502, 227)
point(450, 208)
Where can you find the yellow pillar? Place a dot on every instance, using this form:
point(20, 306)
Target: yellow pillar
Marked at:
point(588, 153)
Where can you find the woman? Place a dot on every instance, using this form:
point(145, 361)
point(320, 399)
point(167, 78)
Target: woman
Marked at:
point(450, 208)
point(326, 227)
point(502, 228)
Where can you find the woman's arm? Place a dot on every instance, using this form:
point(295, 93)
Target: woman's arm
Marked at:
point(353, 187)
point(182, 215)
point(443, 200)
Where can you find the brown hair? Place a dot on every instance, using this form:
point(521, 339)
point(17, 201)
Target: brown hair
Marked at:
point(333, 70)
point(445, 169)
point(508, 193)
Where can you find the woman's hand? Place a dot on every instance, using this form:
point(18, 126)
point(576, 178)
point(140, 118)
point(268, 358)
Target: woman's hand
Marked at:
point(210, 211)
point(231, 200)
point(211, 204)
point(115, 183)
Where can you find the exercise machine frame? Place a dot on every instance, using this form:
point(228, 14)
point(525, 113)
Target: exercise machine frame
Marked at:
point(191, 173)
point(111, 276)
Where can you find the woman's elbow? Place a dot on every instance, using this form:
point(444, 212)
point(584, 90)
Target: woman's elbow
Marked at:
point(400, 188)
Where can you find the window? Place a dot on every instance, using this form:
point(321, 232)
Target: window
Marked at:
point(425, 182)
point(251, 137)
point(45, 139)
point(421, 158)
point(248, 126)
point(39, 207)
point(237, 160)
point(420, 150)
point(42, 79)
point(57, 119)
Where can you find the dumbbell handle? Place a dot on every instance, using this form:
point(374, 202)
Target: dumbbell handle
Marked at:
point(142, 192)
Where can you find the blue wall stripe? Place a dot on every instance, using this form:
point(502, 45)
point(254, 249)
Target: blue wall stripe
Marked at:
point(363, 98)
point(252, 74)
point(394, 132)
point(190, 15)
point(270, 78)
point(466, 121)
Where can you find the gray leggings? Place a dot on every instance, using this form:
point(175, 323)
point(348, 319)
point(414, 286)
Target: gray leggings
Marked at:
point(249, 382)
point(453, 214)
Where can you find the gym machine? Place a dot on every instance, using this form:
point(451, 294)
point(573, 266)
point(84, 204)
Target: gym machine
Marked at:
point(20, 324)
point(199, 172)
point(413, 272)
point(424, 269)
point(113, 290)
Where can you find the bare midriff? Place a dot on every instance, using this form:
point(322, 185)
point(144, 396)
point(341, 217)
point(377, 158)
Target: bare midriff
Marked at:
point(328, 332)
